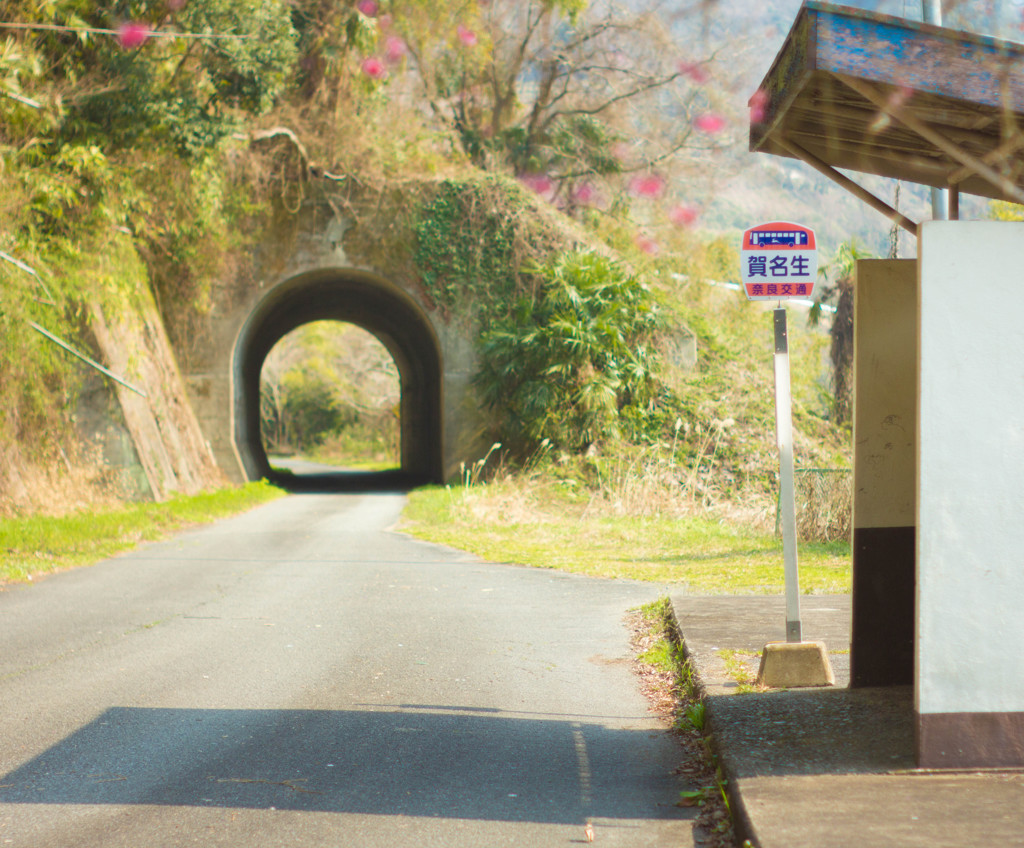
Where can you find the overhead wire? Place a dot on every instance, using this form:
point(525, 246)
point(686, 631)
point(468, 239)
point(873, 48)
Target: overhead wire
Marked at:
point(150, 33)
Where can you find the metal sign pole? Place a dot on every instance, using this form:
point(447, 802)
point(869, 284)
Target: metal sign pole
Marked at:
point(931, 12)
point(784, 430)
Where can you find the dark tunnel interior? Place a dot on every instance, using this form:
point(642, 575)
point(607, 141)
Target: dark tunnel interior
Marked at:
point(392, 317)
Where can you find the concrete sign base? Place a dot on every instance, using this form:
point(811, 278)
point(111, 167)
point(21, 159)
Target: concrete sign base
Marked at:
point(795, 664)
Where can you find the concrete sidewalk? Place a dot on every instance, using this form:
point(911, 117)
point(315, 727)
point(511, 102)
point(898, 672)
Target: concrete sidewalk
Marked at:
point(829, 767)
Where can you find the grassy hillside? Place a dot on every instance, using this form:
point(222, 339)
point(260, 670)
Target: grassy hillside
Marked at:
point(139, 143)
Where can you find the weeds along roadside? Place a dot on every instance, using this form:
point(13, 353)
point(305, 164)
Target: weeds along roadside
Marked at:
point(40, 544)
point(669, 683)
point(625, 515)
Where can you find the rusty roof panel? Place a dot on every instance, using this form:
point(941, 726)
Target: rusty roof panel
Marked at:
point(898, 98)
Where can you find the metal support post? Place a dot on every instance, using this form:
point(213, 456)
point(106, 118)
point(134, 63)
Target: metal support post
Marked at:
point(787, 495)
point(931, 11)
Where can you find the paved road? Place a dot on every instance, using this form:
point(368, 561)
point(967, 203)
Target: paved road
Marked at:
point(300, 675)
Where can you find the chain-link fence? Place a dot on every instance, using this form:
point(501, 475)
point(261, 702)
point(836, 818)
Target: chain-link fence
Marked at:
point(824, 504)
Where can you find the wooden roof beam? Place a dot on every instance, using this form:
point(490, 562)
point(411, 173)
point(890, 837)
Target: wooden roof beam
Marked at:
point(950, 148)
point(856, 189)
point(1001, 153)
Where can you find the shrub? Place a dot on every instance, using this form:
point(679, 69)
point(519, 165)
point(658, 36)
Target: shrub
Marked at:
point(567, 361)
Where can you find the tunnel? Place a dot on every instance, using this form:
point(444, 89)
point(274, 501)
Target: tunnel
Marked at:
point(381, 309)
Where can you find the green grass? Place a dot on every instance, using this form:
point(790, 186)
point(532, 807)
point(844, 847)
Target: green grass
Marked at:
point(40, 544)
point(696, 553)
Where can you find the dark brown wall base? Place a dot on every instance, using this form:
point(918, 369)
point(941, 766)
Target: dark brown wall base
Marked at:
point(882, 638)
point(970, 740)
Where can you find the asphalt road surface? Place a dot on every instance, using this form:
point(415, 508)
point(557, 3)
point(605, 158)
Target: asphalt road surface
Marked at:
point(303, 676)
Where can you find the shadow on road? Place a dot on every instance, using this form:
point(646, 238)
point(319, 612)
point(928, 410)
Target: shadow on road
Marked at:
point(428, 762)
point(334, 482)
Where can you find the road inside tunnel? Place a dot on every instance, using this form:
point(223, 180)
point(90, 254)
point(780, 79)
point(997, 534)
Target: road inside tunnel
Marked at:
point(396, 321)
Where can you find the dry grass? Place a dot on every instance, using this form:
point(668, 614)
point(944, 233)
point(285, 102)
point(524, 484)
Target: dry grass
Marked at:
point(666, 682)
point(824, 499)
point(68, 481)
point(644, 525)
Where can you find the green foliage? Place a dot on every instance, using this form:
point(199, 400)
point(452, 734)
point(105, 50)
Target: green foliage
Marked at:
point(21, 113)
point(366, 443)
point(40, 544)
point(841, 273)
point(570, 8)
point(39, 381)
point(1003, 210)
point(569, 359)
point(663, 655)
point(186, 216)
point(579, 145)
point(68, 188)
point(466, 245)
point(188, 92)
point(329, 390)
point(311, 407)
point(695, 716)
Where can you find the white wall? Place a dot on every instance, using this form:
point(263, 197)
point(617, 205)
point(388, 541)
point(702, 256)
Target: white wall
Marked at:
point(970, 556)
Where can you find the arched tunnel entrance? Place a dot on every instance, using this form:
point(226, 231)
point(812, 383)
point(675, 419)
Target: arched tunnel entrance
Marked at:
point(384, 311)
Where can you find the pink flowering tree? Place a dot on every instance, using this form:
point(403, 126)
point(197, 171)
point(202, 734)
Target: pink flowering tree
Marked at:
point(550, 89)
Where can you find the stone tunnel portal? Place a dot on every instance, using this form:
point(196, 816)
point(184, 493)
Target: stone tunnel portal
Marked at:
point(374, 305)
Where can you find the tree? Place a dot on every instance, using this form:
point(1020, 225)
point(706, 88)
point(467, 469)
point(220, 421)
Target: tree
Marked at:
point(841, 274)
point(551, 86)
point(175, 72)
point(323, 379)
point(567, 94)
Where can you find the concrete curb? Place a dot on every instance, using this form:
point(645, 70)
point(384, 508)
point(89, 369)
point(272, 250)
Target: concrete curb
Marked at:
point(743, 827)
point(830, 766)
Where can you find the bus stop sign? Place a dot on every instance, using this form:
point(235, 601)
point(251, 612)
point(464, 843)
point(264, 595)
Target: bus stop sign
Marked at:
point(778, 261)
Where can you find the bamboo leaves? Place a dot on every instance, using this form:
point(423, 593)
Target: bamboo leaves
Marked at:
point(567, 361)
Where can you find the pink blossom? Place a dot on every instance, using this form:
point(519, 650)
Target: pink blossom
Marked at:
point(367, 7)
point(645, 243)
point(695, 71)
point(132, 34)
point(585, 194)
point(538, 183)
point(758, 106)
point(647, 185)
point(901, 95)
point(394, 49)
point(374, 68)
point(175, 5)
point(710, 123)
point(466, 36)
point(385, 21)
point(683, 215)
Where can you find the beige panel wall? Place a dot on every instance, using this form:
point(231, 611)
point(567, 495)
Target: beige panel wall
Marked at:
point(885, 385)
point(885, 484)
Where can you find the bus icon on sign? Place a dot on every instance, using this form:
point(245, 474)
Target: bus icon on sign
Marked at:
point(776, 238)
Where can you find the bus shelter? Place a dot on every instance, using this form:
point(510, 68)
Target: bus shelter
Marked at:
point(938, 539)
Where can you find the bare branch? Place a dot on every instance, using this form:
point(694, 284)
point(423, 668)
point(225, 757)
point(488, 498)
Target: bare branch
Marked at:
point(607, 104)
